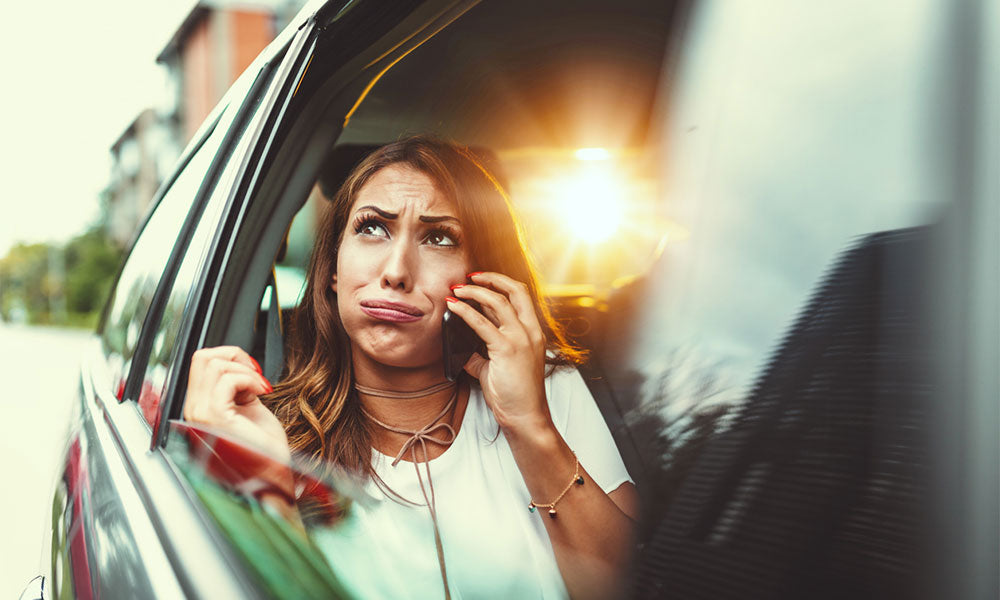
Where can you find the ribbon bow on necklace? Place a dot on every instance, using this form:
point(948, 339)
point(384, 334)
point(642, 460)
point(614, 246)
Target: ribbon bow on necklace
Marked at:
point(421, 437)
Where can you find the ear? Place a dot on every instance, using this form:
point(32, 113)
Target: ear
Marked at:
point(333, 283)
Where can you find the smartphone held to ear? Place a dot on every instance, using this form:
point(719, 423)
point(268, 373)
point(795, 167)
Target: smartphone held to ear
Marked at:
point(459, 341)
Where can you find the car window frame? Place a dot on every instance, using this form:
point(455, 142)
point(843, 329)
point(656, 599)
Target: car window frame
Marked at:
point(212, 312)
point(284, 56)
point(201, 136)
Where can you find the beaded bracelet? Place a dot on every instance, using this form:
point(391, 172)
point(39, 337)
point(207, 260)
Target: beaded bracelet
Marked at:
point(577, 479)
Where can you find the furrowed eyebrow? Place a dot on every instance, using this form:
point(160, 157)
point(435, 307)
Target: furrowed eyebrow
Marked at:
point(382, 213)
point(428, 219)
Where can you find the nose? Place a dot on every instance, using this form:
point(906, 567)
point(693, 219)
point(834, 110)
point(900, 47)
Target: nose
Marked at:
point(397, 267)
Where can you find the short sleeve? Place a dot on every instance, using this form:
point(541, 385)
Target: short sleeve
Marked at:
point(578, 419)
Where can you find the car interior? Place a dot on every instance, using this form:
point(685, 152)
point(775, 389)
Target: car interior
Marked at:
point(732, 496)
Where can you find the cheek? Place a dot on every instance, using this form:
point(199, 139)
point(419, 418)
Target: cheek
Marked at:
point(451, 273)
point(354, 266)
point(457, 268)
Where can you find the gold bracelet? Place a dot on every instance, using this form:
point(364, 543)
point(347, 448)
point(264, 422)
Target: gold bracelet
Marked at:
point(577, 479)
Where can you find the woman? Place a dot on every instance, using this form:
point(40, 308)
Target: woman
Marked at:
point(515, 487)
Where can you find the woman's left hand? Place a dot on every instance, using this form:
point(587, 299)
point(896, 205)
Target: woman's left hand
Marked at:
point(513, 378)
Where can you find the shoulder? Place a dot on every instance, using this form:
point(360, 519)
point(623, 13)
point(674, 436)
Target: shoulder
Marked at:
point(564, 378)
point(567, 393)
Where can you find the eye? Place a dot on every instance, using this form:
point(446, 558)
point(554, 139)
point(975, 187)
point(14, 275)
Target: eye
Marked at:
point(371, 226)
point(441, 237)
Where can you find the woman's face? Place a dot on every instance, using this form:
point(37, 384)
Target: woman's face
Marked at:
point(402, 250)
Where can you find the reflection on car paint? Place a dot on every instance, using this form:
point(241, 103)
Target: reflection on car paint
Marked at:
point(78, 520)
point(228, 477)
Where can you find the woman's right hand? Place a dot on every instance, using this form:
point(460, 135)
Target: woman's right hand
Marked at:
point(222, 392)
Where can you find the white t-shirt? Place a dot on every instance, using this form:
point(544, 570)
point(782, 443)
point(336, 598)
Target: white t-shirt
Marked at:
point(493, 546)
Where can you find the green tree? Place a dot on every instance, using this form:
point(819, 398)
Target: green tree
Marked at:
point(24, 285)
point(84, 270)
point(91, 262)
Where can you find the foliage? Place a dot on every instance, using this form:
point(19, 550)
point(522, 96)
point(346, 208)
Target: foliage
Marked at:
point(91, 263)
point(58, 285)
point(24, 289)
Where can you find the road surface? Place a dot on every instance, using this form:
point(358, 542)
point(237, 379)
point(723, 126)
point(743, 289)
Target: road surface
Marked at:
point(39, 370)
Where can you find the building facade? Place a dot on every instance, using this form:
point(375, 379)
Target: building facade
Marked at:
point(209, 50)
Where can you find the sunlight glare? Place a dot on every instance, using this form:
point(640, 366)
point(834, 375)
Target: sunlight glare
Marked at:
point(592, 154)
point(592, 205)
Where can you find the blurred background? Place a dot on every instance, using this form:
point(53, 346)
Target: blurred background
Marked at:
point(104, 97)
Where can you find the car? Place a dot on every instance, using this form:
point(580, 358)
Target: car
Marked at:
point(774, 228)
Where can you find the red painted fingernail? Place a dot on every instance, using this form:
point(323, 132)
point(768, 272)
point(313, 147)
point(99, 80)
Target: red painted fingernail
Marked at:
point(267, 385)
point(256, 365)
point(474, 273)
point(456, 286)
point(450, 299)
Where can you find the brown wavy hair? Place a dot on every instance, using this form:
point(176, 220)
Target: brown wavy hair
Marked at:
point(315, 400)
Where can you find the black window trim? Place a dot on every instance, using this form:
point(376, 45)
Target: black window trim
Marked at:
point(290, 57)
point(164, 287)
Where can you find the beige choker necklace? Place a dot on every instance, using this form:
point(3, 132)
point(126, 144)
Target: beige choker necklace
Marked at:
point(404, 395)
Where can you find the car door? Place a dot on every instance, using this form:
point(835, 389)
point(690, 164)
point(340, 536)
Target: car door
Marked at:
point(122, 526)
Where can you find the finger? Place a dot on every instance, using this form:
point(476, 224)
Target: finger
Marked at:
point(226, 389)
point(217, 367)
point(220, 366)
point(208, 366)
point(230, 353)
point(494, 302)
point(475, 365)
point(517, 293)
point(487, 331)
point(236, 385)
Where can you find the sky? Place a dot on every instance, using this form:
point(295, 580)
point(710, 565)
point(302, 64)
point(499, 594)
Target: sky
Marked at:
point(76, 74)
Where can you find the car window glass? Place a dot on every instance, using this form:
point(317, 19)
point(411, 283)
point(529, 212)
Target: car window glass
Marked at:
point(775, 355)
point(141, 274)
point(232, 480)
point(130, 300)
point(165, 336)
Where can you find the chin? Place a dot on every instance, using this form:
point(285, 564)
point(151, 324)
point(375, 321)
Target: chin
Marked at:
point(403, 356)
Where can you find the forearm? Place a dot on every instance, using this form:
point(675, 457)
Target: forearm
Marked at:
point(590, 534)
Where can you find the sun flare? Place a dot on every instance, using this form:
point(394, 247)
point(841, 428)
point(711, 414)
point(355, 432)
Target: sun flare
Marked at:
point(592, 204)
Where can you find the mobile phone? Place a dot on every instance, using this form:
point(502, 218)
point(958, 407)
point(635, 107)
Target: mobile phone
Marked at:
point(459, 341)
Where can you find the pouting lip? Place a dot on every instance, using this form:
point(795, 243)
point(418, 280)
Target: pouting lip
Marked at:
point(397, 306)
